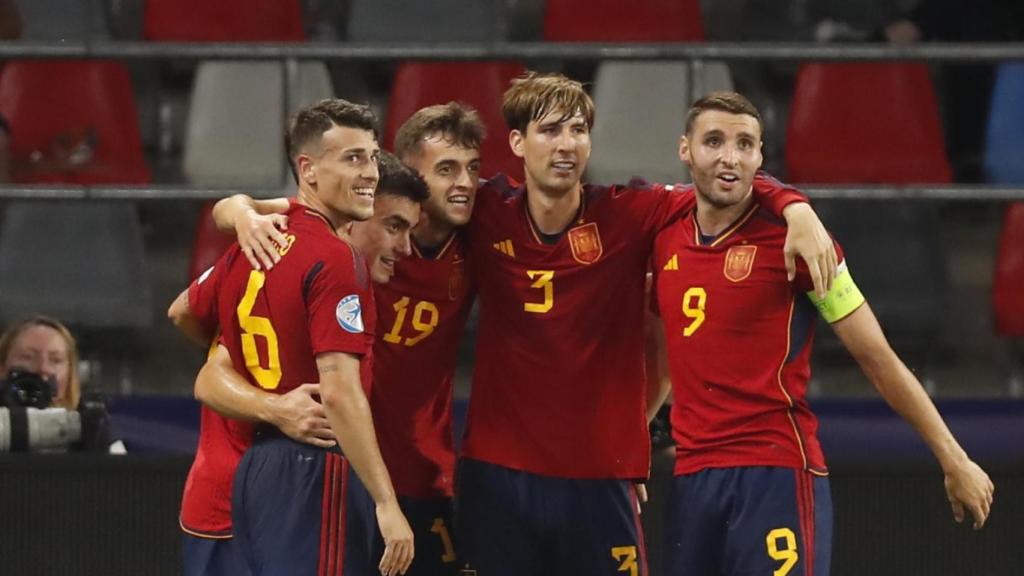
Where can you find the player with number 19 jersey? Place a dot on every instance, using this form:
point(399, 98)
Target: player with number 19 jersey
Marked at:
point(421, 311)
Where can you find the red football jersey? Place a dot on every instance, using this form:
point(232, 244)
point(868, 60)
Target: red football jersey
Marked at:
point(206, 502)
point(422, 312)
point(739, 338)
point(559, 383)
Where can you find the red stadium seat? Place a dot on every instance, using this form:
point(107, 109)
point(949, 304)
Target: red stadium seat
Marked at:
point(223, 21)
point(618, 21)
point(209, 243)
point(1008, 285)
point(865, 123)
point(83, 106)
point(478, 84)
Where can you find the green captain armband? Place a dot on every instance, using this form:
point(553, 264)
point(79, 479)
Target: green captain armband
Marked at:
point(841, 300)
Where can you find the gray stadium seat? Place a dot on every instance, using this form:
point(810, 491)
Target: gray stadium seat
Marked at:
point(63, 20)
point(235, 130)
point(434, 21)
point(81, 262)
point(641, 112)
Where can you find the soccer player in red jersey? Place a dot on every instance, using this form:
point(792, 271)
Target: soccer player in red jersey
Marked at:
point(421, 312)
point(312, 318)
point(557, 427)
point(751, 491)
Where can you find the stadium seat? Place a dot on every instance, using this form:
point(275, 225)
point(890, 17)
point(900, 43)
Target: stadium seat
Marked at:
point(865, 123)
point(1004, 144)
point(85, 108)
point(617, 21)
point(1008, 284)
point(478, 84)
point(234, 135)
point(81, 262)
point(437, 20)
point(223, 21)
point(209, 243)
point(62, 21)
point(641, 114)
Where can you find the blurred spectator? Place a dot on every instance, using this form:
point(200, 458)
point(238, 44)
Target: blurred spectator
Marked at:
point(10, 29)
point(43, 346)
point(967, 88)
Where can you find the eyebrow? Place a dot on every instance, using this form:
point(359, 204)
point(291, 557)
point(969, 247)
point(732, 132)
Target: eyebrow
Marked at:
point(399, 220)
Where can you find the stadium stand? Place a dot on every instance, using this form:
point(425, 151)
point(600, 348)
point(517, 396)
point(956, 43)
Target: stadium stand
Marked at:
point(479, 84)
point(869, 124)
point(438, 20)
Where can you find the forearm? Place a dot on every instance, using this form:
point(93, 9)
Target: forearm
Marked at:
point(904, 393)
point(349, 415)
point(228, 210)
point(221, 388)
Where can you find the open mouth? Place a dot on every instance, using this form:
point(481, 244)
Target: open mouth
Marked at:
point(366, 193)
point(458, 199)
point(564, 165)
point(728, 178)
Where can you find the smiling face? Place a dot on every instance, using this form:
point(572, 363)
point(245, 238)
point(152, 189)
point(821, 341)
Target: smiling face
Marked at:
point(723, 153)
point(341, 171)
point(452, 174)
point(384, 239)
point(555, 150)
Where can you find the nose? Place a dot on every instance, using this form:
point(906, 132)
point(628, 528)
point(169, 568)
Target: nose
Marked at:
point(404, 245)
point(565, 140)
point(463, 181)
point(371, 172)
point(42, 367)
point(729, 156)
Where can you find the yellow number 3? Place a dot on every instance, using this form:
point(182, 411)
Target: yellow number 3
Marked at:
point(626, 555)
point(541, 279)
point(254, 326)
point(694, 301)
point(787, 553)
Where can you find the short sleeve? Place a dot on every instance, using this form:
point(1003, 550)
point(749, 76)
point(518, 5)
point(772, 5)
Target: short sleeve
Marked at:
point(773, 195)
point(337, 303)
point(202, 293)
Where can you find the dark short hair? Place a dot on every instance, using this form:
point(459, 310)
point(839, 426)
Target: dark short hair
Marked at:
point(534, 95)
point(309, 124)
point(397, 179)
point(731, 102)
point(456, 122)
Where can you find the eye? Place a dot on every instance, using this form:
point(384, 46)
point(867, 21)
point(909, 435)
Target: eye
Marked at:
point(474, 168)
point(444, 170)
point(713, 141)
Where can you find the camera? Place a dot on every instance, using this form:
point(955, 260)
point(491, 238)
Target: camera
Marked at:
point(27, 422)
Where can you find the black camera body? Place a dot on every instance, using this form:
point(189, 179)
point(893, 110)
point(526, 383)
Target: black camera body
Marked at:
point(25, 389)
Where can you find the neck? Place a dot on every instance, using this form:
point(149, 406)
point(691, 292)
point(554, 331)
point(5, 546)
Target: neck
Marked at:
point(552, 211)
point(309, 198)
point(714, 219)
point(431, 232)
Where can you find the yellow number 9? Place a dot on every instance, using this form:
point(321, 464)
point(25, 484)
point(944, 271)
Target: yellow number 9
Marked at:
point(787, 554)
point(694, 301)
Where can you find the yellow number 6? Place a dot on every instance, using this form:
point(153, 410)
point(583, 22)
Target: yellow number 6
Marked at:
point(254, 326)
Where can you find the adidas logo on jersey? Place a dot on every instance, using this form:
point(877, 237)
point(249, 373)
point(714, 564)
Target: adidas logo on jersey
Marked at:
point(505, 247)
point(673, 263)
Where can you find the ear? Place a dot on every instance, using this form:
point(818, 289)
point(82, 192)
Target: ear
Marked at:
point(515, 141)
point(306, 169)
point(684, 149)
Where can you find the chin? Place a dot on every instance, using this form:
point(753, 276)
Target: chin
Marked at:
point(380, 276)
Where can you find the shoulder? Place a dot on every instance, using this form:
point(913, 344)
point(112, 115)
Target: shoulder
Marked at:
point(501, 188)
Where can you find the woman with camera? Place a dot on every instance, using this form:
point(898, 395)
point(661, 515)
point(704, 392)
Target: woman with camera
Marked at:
point(42, 395)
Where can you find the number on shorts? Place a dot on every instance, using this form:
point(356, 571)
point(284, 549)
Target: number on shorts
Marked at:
point(627, 556)
point(788, 551)
point(446, 540)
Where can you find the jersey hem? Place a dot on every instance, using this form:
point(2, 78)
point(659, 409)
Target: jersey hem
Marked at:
point(209, 535)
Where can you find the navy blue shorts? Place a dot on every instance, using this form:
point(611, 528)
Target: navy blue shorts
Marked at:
point(431, 522)
point(302, 511)
point(513, 523)
point(211, 557)
point(749, 520)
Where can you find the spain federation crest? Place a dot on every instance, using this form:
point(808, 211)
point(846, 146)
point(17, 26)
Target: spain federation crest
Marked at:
point(739, 261)
point(585, 242)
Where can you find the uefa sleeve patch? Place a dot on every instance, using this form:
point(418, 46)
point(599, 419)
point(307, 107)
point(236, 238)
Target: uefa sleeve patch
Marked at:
point(349, 313)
